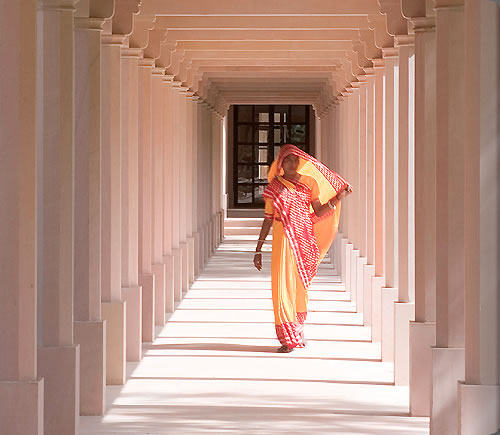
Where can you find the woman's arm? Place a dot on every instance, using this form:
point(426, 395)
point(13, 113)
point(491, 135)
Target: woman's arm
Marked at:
point(321, 210)
point(264, 231)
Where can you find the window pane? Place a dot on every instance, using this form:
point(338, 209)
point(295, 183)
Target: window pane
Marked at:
point(281, 112)
point(244, 194)
point(298, 114)
point(245, 133)
point(277, 135)
point(244, 113)
point(245, 153)
point(262, 171)
point(245, 174)
point(263, 136)
point(276, 151)
point(258, 194)
point(262, 154)
point(261, 113)
point(298, 133)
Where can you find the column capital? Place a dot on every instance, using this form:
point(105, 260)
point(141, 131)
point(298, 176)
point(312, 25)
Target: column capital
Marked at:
point(158, 71)
point(128, 52)
point(448, 4)
point(390, 54)
point(146, 62)
point(404, 40)
point(112, 39)
point(423, 24)
point(378, 64)
point(57, 5)
point(168, 78)
point(89, 23)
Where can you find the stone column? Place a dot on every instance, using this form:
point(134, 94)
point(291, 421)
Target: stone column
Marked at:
point(360, 168)
point(90, 330)
point(378, 280)
point(131, 291)
point(479, 395)
point(146, 276)
point(58, 357)
point(423, 329)
point(169, 185)
point(22, 404)
point(183, 188)
point(353, 210)
point(176, 199)
point(369, 267)
point(448, 355)
point(157, 193)
point(189, 186)
point(113, 308)
point(404, 308)
point(195, 197)
point(389, 293)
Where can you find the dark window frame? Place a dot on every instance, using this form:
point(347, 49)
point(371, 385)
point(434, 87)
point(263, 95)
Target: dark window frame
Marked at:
point(270, 126)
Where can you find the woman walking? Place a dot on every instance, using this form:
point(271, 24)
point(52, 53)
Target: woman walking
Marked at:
point(302, 203)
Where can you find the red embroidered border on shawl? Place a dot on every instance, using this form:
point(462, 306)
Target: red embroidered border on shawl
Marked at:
point(298, 228)
point(291, 334)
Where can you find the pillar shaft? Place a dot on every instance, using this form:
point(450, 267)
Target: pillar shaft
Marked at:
point(380, 225)
point(370, 170)
point(55, 200)
point(129, 166)
point(145, 166)
point(404, 161)
point(391, 178)
point(110, 168)
point(18, 216)
point(425, 172)
point(479, 395)
point(450, 187)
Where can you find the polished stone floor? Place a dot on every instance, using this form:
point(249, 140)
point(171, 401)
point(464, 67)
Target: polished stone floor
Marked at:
point(213, 367)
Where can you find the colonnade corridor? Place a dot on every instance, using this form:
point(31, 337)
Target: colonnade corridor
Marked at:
point(213, 367)
point(129, 129)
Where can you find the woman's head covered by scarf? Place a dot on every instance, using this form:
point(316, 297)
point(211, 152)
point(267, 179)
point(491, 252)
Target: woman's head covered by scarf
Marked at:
point(329, 182)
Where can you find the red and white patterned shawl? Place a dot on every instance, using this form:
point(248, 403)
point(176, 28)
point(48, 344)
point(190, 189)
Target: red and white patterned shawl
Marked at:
point(293, 206)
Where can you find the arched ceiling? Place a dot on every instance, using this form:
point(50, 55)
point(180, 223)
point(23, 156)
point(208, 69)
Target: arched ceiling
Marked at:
point(263, 51)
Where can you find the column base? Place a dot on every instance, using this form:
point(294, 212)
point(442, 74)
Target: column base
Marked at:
point(360, 264)
point(377, 283)
point(91, 337)
point(354, 279)
point(185, 267)
point(344, 245)
point(159, 273)
point(368, 271)
point(147, 282)
point(196, 254)
point(115, 315)
point(60, 368)
point(422, 339)
point(190, 246)
point(478, 409)
point(404, 312)
point(206, 243)
point(169, 283)
point(21, 409)
point(448, 367)
point(389, 296)
point(177, 274)
point(133, 298)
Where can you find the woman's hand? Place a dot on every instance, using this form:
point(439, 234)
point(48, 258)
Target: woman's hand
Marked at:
point(257, 260)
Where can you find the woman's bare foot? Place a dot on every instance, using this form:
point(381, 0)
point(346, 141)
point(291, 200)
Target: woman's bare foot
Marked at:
point(285, 349)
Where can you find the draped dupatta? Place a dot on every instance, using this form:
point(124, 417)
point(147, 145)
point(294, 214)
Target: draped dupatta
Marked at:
point(310, 236)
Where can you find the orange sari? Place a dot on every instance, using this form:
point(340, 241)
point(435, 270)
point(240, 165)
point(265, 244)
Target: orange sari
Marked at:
point(300, 238)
